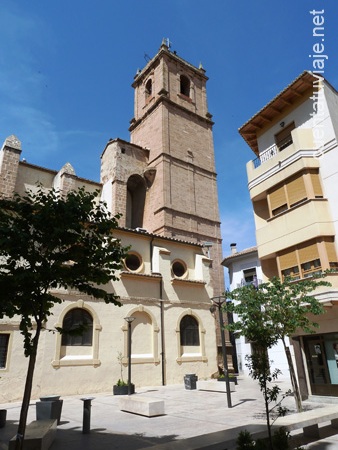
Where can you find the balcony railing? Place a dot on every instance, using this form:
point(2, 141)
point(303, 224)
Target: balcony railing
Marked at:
point(272, 151)
point(243, 282)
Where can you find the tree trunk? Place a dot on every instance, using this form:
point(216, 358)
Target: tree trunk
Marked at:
point(267, 412)
point(27, 392)
point(294, 382)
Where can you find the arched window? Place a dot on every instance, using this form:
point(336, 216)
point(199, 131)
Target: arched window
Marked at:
point(142, 329)
point(149, 88)
point(185, 85)
point(189, 331)
point(136, 194)
point(144, 337)
point(78, 318)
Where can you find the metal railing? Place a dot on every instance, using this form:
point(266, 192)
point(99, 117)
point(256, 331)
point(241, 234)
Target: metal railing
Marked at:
point(243, 282)
point(272, 151)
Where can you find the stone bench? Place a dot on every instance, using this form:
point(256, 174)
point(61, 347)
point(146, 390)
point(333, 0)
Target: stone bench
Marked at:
point(309, 420)
point(214, 385)
point(144, 406)
point(39, 435)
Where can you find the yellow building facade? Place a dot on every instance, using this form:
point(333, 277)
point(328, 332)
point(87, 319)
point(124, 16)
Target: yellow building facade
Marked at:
point(293, 187)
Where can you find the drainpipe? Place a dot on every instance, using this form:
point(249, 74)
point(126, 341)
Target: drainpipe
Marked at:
point(162, 316)
point(162, 336)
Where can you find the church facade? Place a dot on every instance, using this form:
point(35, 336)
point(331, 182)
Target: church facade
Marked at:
point(163, 182)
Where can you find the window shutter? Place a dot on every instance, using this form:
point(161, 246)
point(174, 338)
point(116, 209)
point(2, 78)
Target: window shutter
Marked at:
point(296, 190)
point(308, 253)
point(277, 198)
point(331, 252)
point(317, 188)
point(283, 138)
point(288, 259)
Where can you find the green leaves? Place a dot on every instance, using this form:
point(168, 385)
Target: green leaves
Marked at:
point(275, 309)
point(48, 240)
point(272, 312)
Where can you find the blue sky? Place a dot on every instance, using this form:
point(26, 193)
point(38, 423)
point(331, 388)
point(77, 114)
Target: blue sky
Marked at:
point(66, 70)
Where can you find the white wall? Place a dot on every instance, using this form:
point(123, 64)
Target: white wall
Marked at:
point(276, 354)
point(304, 116)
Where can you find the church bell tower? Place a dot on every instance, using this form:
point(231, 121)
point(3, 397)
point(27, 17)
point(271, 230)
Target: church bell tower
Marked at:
point(171, 120)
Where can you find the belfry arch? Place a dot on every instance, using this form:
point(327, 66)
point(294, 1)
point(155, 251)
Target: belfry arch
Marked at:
point(136, 194)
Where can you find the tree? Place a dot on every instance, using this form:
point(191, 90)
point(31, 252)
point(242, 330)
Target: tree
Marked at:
point(274, 311)
point(46, 241)
point(259, 367)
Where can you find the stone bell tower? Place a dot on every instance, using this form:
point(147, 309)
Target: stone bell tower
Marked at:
point(171, 120)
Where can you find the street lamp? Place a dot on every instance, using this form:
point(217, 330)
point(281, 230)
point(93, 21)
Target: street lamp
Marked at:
point(129, 320)
point(217, 303)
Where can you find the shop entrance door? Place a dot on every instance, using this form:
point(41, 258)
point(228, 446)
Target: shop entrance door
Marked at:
point(317, 366)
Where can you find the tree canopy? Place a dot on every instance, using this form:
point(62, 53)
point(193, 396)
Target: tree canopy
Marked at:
point(48, 241)
point(276, 310)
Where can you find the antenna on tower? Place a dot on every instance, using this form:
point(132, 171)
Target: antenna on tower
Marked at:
point(147, 57)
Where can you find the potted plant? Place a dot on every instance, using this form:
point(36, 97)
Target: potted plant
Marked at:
point(232, 377)
point(121, 387)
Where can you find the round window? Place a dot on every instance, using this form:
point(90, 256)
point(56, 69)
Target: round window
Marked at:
point(179, 269)
point(133, 262)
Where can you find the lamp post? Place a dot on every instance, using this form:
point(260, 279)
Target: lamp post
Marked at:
point(217, 303)
point(129, 320)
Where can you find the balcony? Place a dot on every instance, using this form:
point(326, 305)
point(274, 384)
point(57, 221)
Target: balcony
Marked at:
point(272, 151)
point(301, 138)
point(266, 155)
point(254, 282)
point(293, 158)
point(310, 219)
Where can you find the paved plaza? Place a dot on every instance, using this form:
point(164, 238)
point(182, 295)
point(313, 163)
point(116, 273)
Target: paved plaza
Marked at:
point(196, 418)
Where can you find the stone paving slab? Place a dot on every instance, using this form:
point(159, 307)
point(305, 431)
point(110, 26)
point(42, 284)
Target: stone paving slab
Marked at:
point(189, 414)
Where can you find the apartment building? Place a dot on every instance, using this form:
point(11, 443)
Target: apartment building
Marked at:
point(244, 268)
point(293, 183)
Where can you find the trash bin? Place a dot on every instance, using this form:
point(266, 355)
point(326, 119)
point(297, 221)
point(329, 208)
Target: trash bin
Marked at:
point(49, 408)
point(190, 380)
point(3, 414)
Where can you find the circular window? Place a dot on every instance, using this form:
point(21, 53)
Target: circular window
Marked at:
point(179, 269)
point(133, 262)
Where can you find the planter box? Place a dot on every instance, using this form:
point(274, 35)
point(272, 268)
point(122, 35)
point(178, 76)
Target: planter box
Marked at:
point(123, 390)
point(50, 407)
point(213, 385)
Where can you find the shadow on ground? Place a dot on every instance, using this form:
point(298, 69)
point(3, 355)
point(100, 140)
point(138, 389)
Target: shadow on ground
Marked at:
point(243, 400)
point(98, 438)
point(324, 433)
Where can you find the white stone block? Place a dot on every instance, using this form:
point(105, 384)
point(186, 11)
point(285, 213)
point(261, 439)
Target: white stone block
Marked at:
point(143, 406)
point(214, 385)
